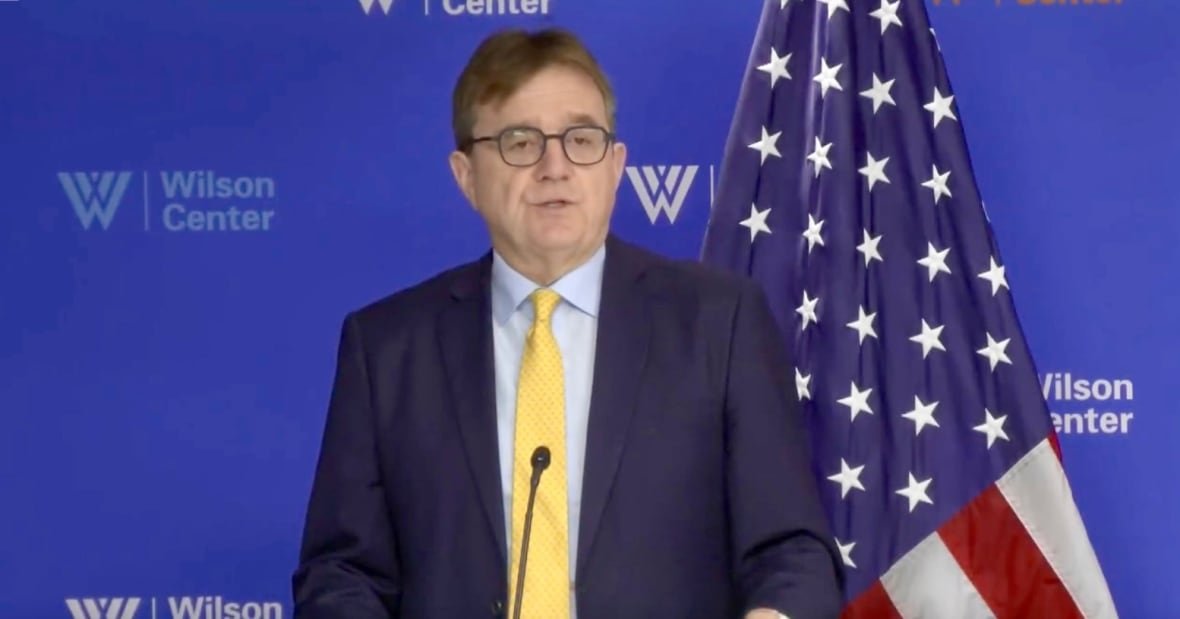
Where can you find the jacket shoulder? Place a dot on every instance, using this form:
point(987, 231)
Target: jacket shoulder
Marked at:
point(420, 301)
point(687, 277)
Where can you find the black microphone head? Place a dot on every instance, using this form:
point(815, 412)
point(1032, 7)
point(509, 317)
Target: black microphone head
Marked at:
point(541, 458)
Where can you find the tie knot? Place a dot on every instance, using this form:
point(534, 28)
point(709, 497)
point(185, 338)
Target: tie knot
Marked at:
point(544, 301)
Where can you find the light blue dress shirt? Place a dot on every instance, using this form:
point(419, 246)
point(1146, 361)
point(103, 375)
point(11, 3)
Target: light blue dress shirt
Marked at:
point(575, 326)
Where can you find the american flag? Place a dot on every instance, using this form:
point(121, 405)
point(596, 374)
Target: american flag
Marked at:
point(847, 191)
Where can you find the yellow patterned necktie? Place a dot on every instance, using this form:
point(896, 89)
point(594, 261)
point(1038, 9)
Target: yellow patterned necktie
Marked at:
point(540, 420)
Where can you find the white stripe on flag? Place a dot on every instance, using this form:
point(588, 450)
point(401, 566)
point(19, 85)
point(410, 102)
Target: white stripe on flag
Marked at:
point(1039, 494)
point(928, 582)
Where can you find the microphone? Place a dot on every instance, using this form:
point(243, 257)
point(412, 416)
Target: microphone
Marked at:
point(540, 462)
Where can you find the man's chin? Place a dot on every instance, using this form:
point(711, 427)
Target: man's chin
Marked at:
point(557, 240)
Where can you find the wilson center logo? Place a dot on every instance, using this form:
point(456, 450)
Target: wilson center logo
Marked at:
point(192, 200)
point(663, 188)
point(95, 194)
point(455, 8)
point(367, 5)
point(183, 607)
point(103, 608)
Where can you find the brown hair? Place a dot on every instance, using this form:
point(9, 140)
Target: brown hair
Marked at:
point(504, 61)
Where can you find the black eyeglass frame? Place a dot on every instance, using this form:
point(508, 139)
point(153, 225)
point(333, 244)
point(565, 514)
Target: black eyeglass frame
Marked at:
point(608, 139)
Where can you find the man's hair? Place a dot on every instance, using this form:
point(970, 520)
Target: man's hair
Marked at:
point(504, 61)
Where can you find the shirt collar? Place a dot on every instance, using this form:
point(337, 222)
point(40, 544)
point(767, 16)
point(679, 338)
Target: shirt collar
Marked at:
point(581, 287)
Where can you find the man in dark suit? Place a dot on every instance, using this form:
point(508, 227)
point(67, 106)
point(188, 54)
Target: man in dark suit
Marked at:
point(678, 482)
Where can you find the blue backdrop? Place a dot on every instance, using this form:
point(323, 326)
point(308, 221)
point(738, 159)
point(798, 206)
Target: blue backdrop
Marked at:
point(195, 192)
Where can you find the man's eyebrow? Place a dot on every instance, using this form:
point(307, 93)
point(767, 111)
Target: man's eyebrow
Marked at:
point(582, 119)
point(574, 118)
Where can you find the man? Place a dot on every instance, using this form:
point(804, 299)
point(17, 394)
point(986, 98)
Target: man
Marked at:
point(678, 482)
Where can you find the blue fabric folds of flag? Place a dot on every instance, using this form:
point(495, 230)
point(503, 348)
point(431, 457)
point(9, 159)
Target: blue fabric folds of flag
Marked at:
point(846, 190)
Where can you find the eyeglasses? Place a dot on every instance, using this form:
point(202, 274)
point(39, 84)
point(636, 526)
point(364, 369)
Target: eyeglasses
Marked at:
point(525, 146)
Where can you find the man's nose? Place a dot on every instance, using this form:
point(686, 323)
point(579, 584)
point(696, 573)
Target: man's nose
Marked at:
point(553, 161)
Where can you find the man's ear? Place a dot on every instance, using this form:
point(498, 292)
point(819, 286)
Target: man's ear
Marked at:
point(619, 160)
point(464, 178)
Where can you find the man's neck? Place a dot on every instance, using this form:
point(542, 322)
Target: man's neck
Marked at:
point(545, 270)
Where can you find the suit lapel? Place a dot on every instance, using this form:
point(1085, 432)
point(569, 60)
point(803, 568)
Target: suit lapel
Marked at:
point(621, 350)
point(465, 338)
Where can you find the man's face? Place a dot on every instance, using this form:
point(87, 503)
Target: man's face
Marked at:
point(554, 213)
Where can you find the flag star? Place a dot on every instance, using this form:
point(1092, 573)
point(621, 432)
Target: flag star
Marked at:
point(869, 247)
point(994, 351)
point(887, 14)
point(802, 385)
point(928, 338)
point(766, 145)
point(940, 106)
point(993, 427)
point(857, 401)
point(776, 67)
point(863, 324)
point(846, 552)
point(874, 170)
point(937, 183)
point(812, 233)
point(879, 93)
point(848, 478)
point(827, 77)
point(922, 415)
point(819, 156)
point(783, 4)
point(834, 5)
point(756, 222)
point(995, 275)
point(807, 310)
point(935, 261)
point(916, 492)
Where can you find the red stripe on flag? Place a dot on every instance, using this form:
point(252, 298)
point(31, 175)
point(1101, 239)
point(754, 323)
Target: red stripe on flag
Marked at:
point(1055, 444)
point(1003, 562)
point(874, 603)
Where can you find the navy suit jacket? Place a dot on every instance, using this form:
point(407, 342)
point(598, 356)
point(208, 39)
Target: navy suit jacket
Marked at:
point(698, 497)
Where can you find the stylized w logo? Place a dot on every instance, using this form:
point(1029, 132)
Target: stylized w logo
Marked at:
point(367, 5)
point(657, 183)
point(95, 194)
point(103, 608)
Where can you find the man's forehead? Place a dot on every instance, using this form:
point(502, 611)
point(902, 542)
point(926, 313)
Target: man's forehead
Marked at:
point(544, 119)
